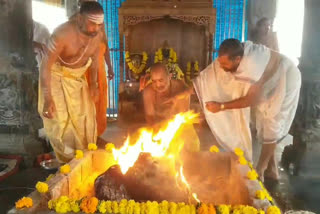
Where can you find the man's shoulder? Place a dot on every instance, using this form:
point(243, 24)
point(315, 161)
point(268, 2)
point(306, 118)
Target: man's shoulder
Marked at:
point(65, 29)
point(178, 84)
point(148, 91)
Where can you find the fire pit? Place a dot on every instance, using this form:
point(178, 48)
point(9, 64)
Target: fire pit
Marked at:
point(155, 167)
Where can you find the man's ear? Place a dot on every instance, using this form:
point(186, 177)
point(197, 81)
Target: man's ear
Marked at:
point(238, 59)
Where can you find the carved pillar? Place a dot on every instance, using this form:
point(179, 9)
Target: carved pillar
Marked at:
point(19, 120)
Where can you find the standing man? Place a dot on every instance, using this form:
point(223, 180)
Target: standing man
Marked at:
point(274, 89)
point(66, 100)
point(104, 58)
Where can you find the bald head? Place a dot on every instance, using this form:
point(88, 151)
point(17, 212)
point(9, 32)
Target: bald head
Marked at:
point(160, 77)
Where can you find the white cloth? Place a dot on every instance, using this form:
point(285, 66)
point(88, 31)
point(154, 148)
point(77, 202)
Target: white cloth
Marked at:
point(230, 127)
point(278, 104)
point(41, 35)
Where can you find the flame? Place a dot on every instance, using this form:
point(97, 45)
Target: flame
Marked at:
point(157, 145)
point(184, 180)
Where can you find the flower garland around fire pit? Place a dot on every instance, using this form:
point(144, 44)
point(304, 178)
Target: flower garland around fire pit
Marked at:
point(64, 204)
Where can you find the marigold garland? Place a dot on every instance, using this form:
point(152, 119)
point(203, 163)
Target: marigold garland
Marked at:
point(252, 175)
point(195, 69)
point(42, 187)
point(91, 205)
point(238, 152)
point(134, 69)
point(242, 160)
point(159, 56)
point(24, 202)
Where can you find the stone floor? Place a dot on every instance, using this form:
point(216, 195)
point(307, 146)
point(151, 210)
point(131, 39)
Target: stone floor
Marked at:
point(291, 193)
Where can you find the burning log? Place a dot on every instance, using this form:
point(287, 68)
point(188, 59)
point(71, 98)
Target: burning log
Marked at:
point(146, 180)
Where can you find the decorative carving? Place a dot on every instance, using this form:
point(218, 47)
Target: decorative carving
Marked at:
point(198, 20)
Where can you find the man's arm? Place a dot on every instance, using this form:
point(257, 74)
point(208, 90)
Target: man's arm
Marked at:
point(148, 103)
point(94, 68)
point(254, 92)
point(107, 55)
point(55, 47)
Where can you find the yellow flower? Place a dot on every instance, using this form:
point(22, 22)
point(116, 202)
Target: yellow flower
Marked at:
point(268, 195)
point(79, 154)
point(137, 208)
point(123, 206)
point(224, 209)
point(115, 207)
point(24, 202)
point(42, 187)
point(89, 205)
point(260, 194)
point(102, 207)
point(143, 208)
point(172, 208)
point(249, 210)
point(49, 177)
point(250, 165)
point(261, 212)
point(130, 206)
point(214, 149)
point(62, 205)
point(193, 209)
point(52, 204)
point(252, 175)
point(242, 160)
point(273, 210)
point(109, 147)
point(74, 206)
point(92, 146)
point(238, 151)
point(65, 169)
point(164, 207)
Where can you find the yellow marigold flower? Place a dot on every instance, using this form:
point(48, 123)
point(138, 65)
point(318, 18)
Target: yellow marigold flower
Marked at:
point(273, 210)
point(261, 212)
point(51, 204)
point(62, 205)
point(24, 202)
point(130, 206)
point(249, 210)
point(143, 208)
point(115, 207)
point(89, 205)
point(79, 154)
point(123, 206)
point(164, 207)
point(109, 147)
point(268, 196)
point(92, 146)
point(214, 149)
point(42, 187)
point(250, 165)
point(252, 175)
point(65, 169)
point(242, 160)
point(238, 151)
point(193, 209)
point(74, 205)
point(109, 206)
point(102, 207)
point(137, 208)
point(49, 177)
point(172, 208)
point(224, 209)
point(260, 194)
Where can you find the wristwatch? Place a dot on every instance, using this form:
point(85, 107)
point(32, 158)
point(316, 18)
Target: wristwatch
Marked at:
point(221, 106)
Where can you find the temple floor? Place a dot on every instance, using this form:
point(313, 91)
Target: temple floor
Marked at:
point(291, 193)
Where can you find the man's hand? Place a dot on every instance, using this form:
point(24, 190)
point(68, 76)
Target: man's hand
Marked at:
point(110, 73)
point(49, 108)
point(94, 92)
point(213, 107)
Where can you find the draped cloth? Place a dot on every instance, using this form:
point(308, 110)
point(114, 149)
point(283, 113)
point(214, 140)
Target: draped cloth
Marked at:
point(102, 103)
point(277, 106)
point(230, 127)
point(73, 125)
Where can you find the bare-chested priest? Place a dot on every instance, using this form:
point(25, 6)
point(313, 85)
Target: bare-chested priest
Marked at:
point(66, 100)
point(157, 110)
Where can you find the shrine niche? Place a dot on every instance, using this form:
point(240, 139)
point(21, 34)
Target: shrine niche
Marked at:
point(176, 33)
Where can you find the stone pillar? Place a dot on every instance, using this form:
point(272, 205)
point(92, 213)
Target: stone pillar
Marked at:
point(304, 153)
point(19, 120)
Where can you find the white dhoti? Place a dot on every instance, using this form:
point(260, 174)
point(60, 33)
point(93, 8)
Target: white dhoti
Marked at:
point(74, 123)
point(230, 127)
point(277, 107)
